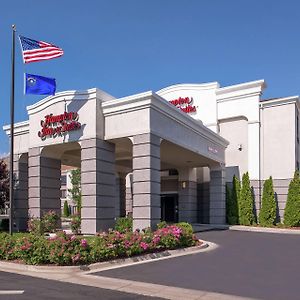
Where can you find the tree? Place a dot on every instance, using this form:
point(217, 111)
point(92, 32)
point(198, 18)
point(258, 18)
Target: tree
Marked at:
point(292, 207)
point(66, 209)
point(267, 214)
point(4, 184)
point(76, 188)
point(246, 206)
point(232, 196)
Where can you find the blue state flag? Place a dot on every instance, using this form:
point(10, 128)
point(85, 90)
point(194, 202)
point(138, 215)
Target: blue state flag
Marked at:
point(39, 85)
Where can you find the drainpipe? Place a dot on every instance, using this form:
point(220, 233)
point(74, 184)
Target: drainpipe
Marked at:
point(259, 156)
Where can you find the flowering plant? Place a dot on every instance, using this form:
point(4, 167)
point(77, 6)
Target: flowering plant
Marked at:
point(66, 249)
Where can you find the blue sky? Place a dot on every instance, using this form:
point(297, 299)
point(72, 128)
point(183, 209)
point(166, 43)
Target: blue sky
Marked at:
point(129, 46)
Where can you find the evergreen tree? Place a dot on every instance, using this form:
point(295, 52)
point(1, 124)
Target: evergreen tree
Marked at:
point(292, 207)
point(76, 188)
point(4, 184)
point(267, 214)
point(232, 202)
point(236, 197)
point(66, 209)
point(246, 207)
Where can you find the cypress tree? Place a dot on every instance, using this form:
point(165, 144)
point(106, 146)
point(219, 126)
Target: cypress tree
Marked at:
point(246, 202)
point(236, 196)
point(66, 209)
point(231, 202)
point(267, 214)
point(292, 207)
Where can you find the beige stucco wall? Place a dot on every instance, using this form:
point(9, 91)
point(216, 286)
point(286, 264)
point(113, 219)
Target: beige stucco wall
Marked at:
point(235, 130)
point(278, 141)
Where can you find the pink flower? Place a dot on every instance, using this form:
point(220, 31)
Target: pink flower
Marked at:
point(126, 244)
point(156, 239)
point(84, 243)
point(73, 237)
point(76, 258)
point(144, 245)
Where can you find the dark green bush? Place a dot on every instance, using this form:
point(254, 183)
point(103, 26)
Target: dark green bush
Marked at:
point(124, 224)
point(246, 206)
point(292, 207)
point(267, 214)
point(66, 209)
point(232, 198)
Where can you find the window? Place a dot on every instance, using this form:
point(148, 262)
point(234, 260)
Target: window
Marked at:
point(63, 194)
point(63, 179)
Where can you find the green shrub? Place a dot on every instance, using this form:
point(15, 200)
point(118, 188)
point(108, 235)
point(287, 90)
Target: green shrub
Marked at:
point(267, 214)
point(161, 224)
point(73, 250)
point(292, 207)
point(66, 209)
point(76, 223)
point(36, 226)
point(124, 224)
point(236, 197)
point(50, 221)
point(246, 207)
point(186, 227)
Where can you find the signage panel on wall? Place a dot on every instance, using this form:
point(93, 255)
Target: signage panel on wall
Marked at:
point(185, 104)
point(57, 125)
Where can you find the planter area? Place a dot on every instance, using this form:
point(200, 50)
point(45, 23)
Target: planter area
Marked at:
point(63, 249)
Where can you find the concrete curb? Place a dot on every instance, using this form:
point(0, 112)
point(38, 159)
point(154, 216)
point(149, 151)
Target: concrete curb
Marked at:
point(264, 229)
point(112, 264)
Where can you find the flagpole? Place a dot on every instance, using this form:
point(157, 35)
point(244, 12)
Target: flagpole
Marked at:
point(12, 117)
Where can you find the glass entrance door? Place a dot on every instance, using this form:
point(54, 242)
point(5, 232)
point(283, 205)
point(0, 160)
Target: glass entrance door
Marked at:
point(169, 208)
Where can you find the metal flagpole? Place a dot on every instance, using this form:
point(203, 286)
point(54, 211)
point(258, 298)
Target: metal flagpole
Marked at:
point(12, 115)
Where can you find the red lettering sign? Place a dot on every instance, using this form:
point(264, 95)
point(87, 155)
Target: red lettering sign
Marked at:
point(185, 104)
point(57, 125)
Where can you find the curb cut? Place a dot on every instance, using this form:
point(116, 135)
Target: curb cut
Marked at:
point(119, 262)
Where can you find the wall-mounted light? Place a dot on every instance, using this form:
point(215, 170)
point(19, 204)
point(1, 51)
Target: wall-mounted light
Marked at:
point(183, 184)
point(240, 147)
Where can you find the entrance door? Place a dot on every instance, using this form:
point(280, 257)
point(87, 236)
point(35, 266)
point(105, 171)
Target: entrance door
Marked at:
point(169, 208)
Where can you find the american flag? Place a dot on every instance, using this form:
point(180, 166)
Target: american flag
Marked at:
point(38, 50)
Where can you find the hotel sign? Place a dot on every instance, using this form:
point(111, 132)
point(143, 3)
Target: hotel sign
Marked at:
point(57, 125)
point(185, 104)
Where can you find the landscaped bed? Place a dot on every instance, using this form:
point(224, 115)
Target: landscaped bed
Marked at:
point(63, 249)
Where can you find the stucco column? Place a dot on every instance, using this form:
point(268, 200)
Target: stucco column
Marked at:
point(43, 184)
point(20, 203)
point(98, 185)
point(146, 181)
point(187, 195)
point(217, 211)
point(129, 195)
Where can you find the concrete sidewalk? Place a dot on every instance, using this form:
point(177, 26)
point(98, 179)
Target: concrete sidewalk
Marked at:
point(211, 227)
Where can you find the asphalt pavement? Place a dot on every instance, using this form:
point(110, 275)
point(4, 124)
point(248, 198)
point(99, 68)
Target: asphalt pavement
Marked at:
point(246, 264)
point(42, 289)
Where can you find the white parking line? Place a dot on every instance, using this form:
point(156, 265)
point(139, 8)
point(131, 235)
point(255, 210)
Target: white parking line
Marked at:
point(11, 292)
